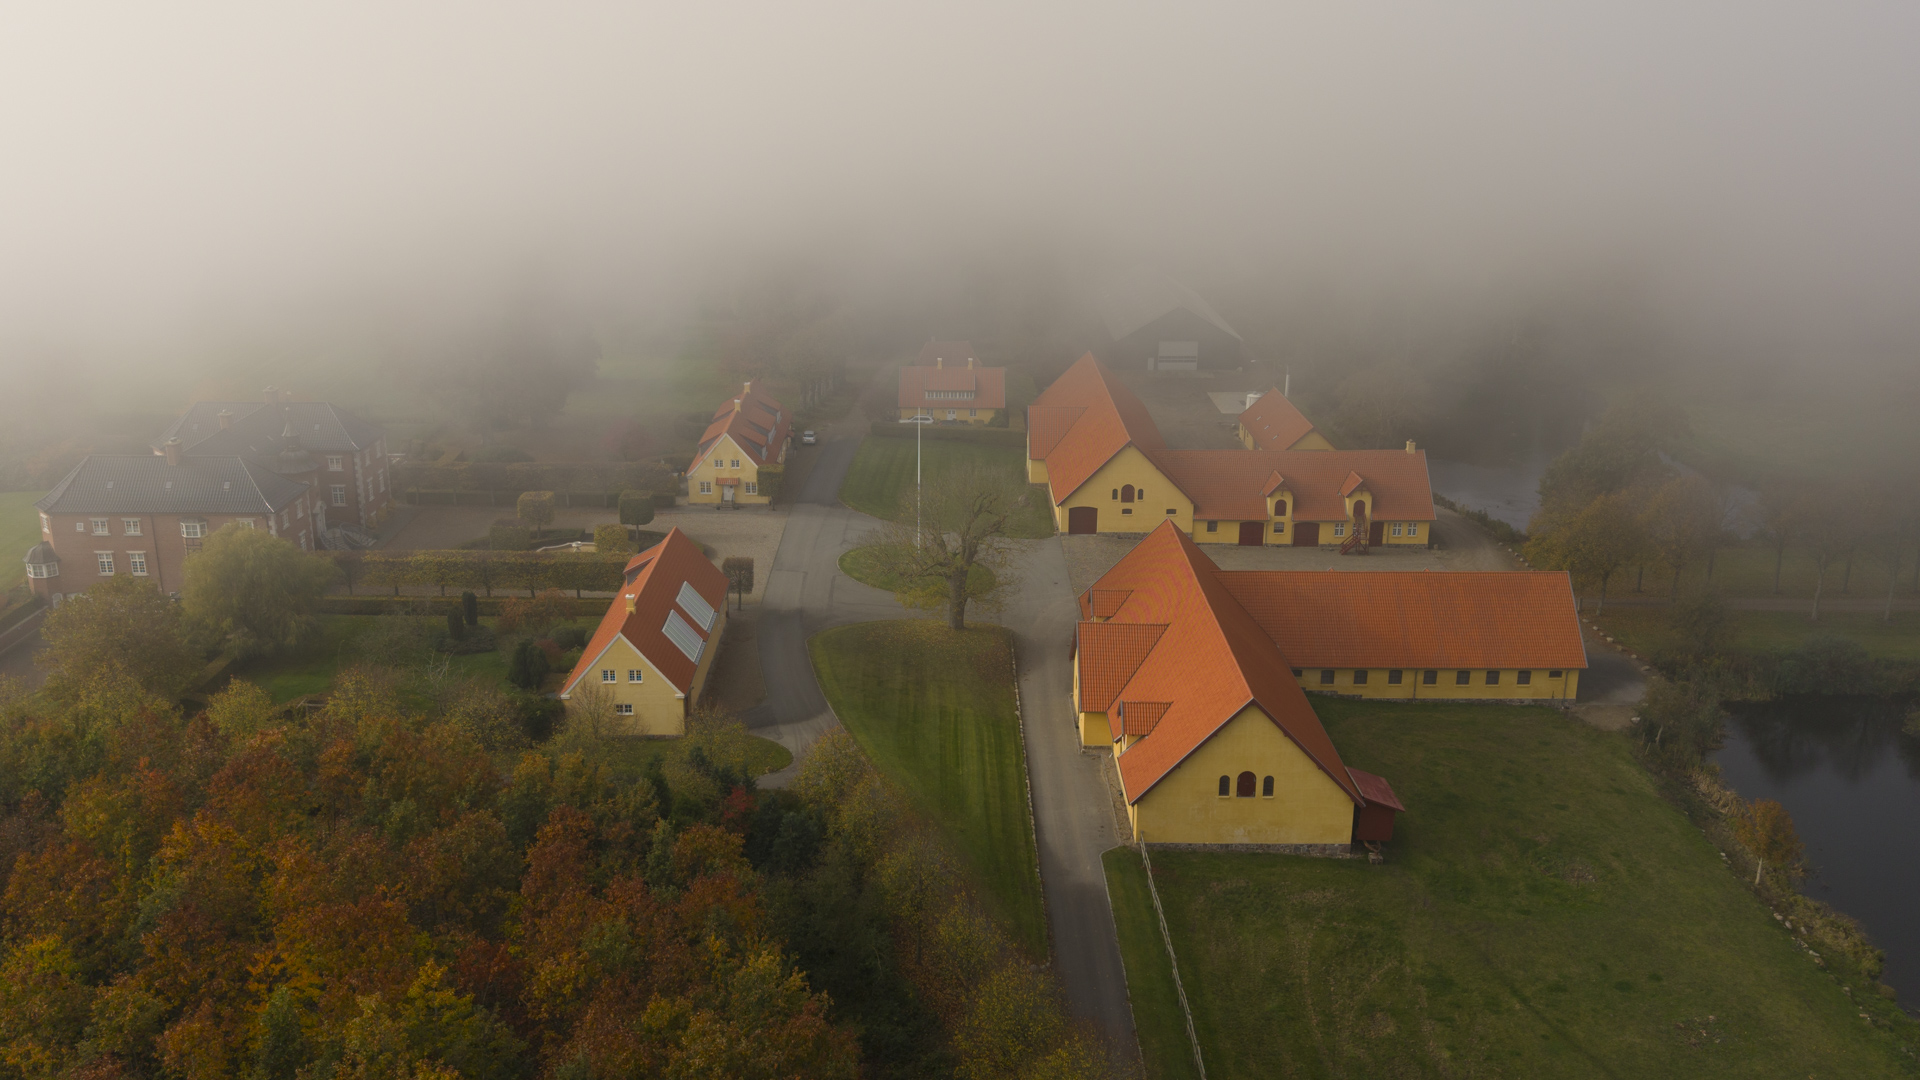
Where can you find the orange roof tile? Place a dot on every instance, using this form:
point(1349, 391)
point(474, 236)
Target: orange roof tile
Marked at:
point(1047, 425)
point(1104, 602)
point(987, 385)
point(1114, 417)
point(760, 426)
point(1212, 661)
point(654, 579)
point(1231, 485)
point(1141, 717)
point(1109, 655)
point(1274, 423)
point(1414, 619)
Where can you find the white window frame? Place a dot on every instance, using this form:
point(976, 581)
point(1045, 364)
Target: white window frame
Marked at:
point(103, 561)
point(1396, 528)
point(1413, 528)
point(636, 675)
point(1339, 528)
point(100, 526)
point(336, 463)
point(137, 563)
point(130, 527)
point(339, 494)
point(734, 463)
point(193, 530)
point(753, 487)
point(609, 675)
point(706, 487)
point(623, 708)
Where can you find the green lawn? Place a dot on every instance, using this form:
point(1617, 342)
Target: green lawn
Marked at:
point(1647, 631)
point(1747, 570)
point(1542, 912)
point(19, 530)
point(934, 709)
point(882, 475)
point(341, 644)
point(1157, 1022)
point(862, 565)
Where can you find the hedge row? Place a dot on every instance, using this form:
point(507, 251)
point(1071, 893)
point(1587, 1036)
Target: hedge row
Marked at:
point(984, 436)
point(595, 479)
point(481, 571)
point(438, 606)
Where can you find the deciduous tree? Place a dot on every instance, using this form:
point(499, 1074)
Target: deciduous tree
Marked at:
point(124, 625)
point(254, 592)
point(1680, 521)
point(536, 509)
point(1766, 830)
point(959, 524)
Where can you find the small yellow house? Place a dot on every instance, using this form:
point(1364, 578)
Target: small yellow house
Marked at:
point(1271, 422)
point(1214, 742)
point(654, 648)
point(947, 385)
point(749, 437)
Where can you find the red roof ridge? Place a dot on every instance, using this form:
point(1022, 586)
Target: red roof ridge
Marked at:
point(655, 577)
point(1375, 789)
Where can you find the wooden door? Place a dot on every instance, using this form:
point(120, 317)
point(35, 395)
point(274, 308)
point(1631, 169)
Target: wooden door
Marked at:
point(1252, 533)
point(1306, 534)
point(1083, 519)
point(1377, 534)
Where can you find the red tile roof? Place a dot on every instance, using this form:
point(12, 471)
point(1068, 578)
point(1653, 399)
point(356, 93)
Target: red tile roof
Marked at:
point(759, 426)
point(1102, 603)
point(1375, 789)
point(1109, 655)
point(655, 577)
point(1047, 425)
point(1114, 418)
point(1141, 717)
point(1231, 485)
point(1414, 619)
point(1212, 661)
point(988, 386)
point(1274, 423)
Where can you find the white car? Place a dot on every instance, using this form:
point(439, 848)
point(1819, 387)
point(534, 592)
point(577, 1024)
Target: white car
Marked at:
point(807, 438)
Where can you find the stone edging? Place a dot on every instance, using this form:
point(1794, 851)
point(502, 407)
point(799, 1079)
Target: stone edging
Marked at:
point(1320, 851)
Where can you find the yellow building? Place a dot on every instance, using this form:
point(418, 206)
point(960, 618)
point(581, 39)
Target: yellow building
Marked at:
point(747, 440)
point(1270, 422)
point(948, 386)
point(655, 646)
point(1214, 742)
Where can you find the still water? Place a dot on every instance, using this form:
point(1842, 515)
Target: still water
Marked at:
point(1851, 779)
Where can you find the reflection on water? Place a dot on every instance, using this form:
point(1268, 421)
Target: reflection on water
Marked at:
point(1510, 493)
point(1851, 779)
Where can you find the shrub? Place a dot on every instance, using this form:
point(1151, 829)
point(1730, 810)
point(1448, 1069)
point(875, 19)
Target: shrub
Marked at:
point(533, 614)
point(536, 509)
point(470, 608)
point(612, 540)
point(509, 535)
point(456, 626)
point(527, 668)
point(1703, 619)
point(636, 508)
point(571, 636)
point(1827, 664)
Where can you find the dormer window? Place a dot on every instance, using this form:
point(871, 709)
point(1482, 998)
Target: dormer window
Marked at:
point(336, 463)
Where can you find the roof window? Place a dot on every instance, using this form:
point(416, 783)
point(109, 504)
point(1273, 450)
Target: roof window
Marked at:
point(684, 636)
point(696, 605)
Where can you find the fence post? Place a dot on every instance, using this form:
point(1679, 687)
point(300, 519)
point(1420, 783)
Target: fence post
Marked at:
point(1167, 938)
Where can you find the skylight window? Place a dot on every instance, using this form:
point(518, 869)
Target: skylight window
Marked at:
point(696, 605)
point(684, 636)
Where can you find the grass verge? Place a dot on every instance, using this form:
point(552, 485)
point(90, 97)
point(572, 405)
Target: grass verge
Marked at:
point(1649, 631)
point(19, 530)
point(1157, 1021)
point(934, 709)
point(862, 564)
point(1543, 912)
point(882, 475)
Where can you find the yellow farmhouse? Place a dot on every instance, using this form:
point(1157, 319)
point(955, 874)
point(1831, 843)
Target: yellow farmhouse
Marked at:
point(747, 441)
point(1214, 741)
point(948, 385)
point(655, 646)
point(1107, 469)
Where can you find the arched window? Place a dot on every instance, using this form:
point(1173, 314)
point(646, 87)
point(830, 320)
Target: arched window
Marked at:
point(1359, 509)
point(1279, 508)
point(1244, 789)
point(1266, 787)
point(1226, 786)
point(1142, 493)
point(1116, 493)
point(1126, 493)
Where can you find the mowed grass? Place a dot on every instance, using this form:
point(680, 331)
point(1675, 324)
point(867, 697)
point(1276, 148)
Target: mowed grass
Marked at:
point(1157, 1021)
point(934, 709)
point(1542, 912)
point(881, 476)
point(862, 564)
point(311, 668)
point(1649, 631)
point(1747, 570)
point(19, 530)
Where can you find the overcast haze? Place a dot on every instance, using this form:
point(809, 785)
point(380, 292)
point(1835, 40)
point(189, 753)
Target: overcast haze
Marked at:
point(176, 171)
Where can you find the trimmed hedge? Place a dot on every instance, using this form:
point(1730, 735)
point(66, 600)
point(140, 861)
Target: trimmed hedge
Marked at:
point(439, 605)
point(482, 571)
point(984, 436)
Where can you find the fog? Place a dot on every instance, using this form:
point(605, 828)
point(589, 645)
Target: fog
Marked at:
point(1714, 181)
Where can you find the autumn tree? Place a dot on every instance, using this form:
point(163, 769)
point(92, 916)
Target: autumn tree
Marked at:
point(1834, 522)
point(1679, 521)
point(536, 509)
point(1766, 829)
point(254, 592)
point(960, 524)
point(1594, 544)
point(121, 625)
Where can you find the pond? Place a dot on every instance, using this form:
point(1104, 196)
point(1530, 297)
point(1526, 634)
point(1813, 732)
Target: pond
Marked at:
point(1851, 779)
point(1508, 492)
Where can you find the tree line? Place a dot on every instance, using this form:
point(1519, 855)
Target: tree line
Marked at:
point(482, 571)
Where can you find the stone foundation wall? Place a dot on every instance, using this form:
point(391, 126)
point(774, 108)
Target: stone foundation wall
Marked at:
point(1319, 851)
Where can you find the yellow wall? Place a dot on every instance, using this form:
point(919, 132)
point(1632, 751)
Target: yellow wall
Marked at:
point(1543, 688)
point(1036, 471)
point(658, 709)
point(1094, 730)
point(706, 471)
point(966, 414)
point(1129, 466)
point(1185, 807)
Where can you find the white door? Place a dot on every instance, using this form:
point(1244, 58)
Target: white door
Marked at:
point(953, 414)
point(726, 493)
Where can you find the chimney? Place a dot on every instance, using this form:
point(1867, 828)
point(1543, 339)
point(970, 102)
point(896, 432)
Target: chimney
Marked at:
point(272, 396)
point(1409, 446)
point(226, 419)
point(172, 450)
point(969, 363)
point(631, 597)
point(746, 387)
point(939, 361)
point(736, 404)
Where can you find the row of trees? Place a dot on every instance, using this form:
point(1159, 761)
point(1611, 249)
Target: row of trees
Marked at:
point(485, 571)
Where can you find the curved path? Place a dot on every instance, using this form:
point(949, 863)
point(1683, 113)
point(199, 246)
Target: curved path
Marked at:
point(1073, 816)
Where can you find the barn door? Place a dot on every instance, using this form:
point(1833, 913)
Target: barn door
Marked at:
point(1306, 534)
point(1252, 533)
point(1377, 534)
point(1083, 519)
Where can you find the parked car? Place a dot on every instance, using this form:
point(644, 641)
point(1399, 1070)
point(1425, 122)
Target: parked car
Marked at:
point(807, 438)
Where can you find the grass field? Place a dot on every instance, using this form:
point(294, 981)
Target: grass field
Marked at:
point(1748, 571)
point(1542, 912)
point(935, 711)
point(1648, 631)
point(862, 565)
point(882, 475)
point(1157, 1022)
point(342, 644)
point(19, 530)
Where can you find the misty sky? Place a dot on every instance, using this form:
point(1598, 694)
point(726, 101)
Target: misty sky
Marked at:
point(165, 168)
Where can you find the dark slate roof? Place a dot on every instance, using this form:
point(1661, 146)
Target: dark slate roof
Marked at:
point(146, 484)
point(1131, 300)
point(257, 428)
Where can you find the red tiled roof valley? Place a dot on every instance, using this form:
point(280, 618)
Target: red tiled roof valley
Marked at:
point(759, 426)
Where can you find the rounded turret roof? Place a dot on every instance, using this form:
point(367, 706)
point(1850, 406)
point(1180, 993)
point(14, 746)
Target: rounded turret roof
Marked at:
point(42, 554)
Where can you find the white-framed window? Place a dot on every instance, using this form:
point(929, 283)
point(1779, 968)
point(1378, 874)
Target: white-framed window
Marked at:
point(609, 675)
point(623, 709)
point(336, 463)
point(79, 526)
point(100, 527)
point(1413, 528)
point(719, 463)
point(193, 530)
point(137, 563)
point(635, 675)
point(706, 487)
point(734, 464)
point(1396, 528)
point(973, 412)
point(46, 525)
point(339, 494)
point(1339, 528)
point(1279, 526)
point(753, 487)
point(130, 526)
point(105, 559)
point(247, 523)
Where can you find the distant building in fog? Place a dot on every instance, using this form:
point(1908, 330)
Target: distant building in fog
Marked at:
point(1157, 324)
